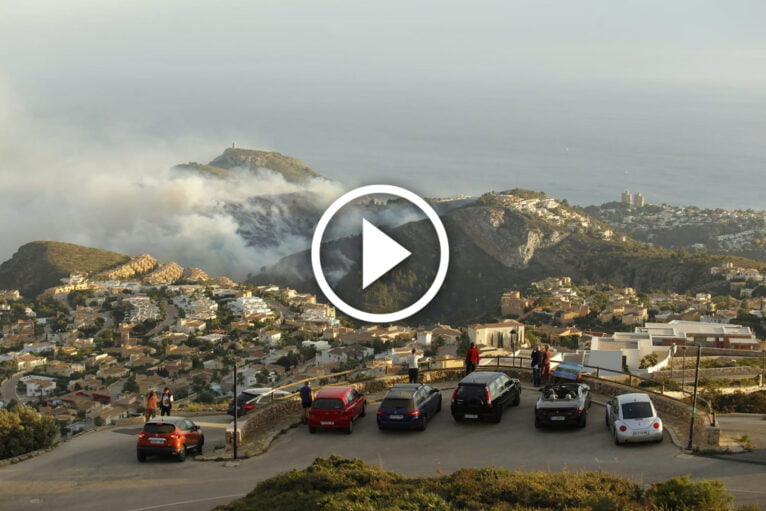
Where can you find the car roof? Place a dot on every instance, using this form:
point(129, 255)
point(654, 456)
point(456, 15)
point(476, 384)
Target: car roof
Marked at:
point(481, 377)
point(412, 387)
point(332, 392)
point(635, 397)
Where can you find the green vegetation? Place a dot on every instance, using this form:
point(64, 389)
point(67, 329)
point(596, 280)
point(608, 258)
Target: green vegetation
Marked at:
point(342, 484)
point(39, 265)
point(23, 430)
point(738, 402)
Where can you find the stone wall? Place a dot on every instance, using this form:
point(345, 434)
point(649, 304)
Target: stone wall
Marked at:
point(708, 372)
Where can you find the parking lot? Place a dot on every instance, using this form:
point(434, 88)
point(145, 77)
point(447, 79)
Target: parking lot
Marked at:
point(99, 470)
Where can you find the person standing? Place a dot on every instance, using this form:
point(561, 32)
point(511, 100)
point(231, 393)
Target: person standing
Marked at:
point(412, 364)
point(471, 359)
point(151, 405)
point(536, 365)
point(306, 400)
point(166, 402)
point(545, 364)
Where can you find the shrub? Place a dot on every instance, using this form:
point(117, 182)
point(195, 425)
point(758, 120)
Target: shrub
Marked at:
point(682, 494)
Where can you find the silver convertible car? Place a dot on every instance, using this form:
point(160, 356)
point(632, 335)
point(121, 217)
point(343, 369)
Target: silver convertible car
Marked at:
point(633, 418)
point(563, 404)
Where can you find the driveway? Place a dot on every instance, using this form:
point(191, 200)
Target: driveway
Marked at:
point(99, 471)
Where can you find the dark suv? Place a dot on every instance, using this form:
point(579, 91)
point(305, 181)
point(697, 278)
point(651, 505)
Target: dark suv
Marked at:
point(484, 395)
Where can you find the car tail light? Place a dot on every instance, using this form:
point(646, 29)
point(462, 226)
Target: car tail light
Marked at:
point(489, 398)
point(248, 407)
point(454, 393)
point(623, 428)
point(413, 413)
point(142, 435)
point(656, 425)
point(381, 412)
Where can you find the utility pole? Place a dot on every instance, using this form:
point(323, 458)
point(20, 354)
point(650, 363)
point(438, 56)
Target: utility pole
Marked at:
point(694, 399)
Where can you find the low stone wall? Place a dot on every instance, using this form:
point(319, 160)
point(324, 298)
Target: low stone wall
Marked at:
point(709, 372)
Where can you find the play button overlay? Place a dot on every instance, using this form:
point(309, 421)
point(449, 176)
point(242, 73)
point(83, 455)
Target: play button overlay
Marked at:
point(380, 253)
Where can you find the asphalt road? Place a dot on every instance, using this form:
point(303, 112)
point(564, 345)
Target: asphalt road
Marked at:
point(99, 470)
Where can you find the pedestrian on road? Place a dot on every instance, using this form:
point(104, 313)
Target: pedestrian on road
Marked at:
point(151, 405)
point(306, 400)
point(545, 369)
point(166, 402)
point(412, 364)
point(471, 359)
point(537, 360)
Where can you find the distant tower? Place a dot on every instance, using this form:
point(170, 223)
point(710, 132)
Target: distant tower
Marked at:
point(627, 198)
point(638, 200)
point(233, 145)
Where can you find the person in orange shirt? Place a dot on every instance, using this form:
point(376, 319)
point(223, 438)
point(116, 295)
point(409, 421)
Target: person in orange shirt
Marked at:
point(471, 359)
point(151, 405)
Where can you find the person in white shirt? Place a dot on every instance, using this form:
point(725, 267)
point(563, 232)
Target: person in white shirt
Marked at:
point(412, 364)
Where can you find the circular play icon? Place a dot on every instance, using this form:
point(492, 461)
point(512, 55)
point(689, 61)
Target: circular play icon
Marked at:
point(380, 253)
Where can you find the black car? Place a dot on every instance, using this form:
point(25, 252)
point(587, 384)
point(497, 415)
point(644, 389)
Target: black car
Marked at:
point(563, 404)
point(409, 406)
point(250, 398)
point(484, 395)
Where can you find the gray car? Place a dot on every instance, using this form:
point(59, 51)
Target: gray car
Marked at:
point(563, 404)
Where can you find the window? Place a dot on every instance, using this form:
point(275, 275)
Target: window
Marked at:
point(163, 428)
point(326, 403)
point(640, 410)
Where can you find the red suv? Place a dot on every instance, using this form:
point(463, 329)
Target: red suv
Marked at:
point(336, 408)
point(169, 435)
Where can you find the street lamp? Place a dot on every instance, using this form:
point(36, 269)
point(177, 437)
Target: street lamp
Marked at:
point(513, 346)
point(234, 441)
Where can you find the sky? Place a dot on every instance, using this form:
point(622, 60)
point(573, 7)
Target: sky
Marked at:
point(578, 99)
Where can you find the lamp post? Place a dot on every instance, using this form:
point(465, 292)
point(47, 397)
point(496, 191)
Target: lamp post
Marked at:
point(234, 440)
point(694, 399)
point(513, 346)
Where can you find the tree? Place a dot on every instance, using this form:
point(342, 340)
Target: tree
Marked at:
point(23, 430)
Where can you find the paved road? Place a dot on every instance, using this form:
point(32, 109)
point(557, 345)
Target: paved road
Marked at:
point(8, 390)
point(99, 471)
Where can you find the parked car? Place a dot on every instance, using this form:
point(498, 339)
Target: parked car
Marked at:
point(173, 436)
point(563, 403)
point(633, 418)
point(250, 398)
point(336, 408)
point(484, 395)
point(409, 406)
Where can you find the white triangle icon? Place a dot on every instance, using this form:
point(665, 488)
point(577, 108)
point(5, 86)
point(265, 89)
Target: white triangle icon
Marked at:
point(380, 253)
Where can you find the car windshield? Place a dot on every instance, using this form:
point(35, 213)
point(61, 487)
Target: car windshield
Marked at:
point(153, 427)
point(640, 410)
point(245, 396)
point(471, 392)
point(326, 403)
point(397, 403)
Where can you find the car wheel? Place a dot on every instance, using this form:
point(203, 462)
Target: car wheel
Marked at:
point(538, 423)
point(616, 440)
point(181, 456)
point(423, 423)
point(350, 428)
point(200, 444)
point(458, 418)
point(439, 405)
point(606, 420)
point(583, 419)
point(312, 429)
point(517, 399)
point(364, 410)
point(498, 415)
point(141, 456)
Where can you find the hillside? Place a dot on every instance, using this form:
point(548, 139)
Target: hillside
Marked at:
point(292, 169)
point(39, 265)
point(494, 247)
point(338, 483)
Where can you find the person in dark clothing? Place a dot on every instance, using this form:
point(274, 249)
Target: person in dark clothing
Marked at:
point(306, 400)
point(537, 359)
point(412, 365)
point(166, 402)
point(471, 359)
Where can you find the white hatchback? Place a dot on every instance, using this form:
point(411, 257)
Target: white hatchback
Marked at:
point(633, 418)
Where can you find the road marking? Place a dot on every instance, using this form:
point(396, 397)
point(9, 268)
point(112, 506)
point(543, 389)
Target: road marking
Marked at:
point(160, 506)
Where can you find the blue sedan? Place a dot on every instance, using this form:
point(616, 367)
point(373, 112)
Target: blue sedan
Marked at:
point(409, 406)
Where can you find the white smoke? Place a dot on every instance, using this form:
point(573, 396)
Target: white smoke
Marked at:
point(114, 190)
